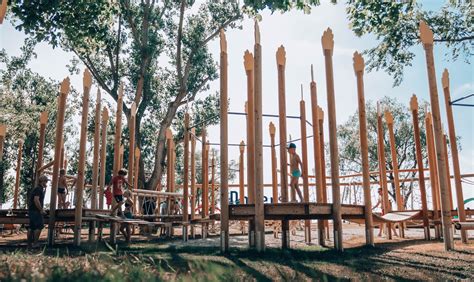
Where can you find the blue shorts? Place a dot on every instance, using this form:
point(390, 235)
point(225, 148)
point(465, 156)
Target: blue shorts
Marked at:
point(296, 173)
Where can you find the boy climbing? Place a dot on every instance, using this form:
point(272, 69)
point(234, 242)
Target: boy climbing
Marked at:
point(295, 164)
point(117, 190)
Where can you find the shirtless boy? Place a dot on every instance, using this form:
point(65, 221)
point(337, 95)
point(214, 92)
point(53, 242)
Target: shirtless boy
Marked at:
point(295, 164)
point(62, 189)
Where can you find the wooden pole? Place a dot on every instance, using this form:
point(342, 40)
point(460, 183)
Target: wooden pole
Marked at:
point(64, 90)
point(419, 161)
point(203, 174)
point(131, 145)
point(206, 181)
point(359, 66)
point(274, 163)
point(328, 45)
point(317, 154)
point(118, 131)
point(450, 191)
point(304, 153)
point(87, 82)
point(382, 167)
point(281, 62)
point(186, 170)
point(169, 136)
point(322, 160)
point(258, 102)
point(193, 173)
point(426, 37)
point(42, 136)
point(249, 70)
point(95, 161)
point(63, 153)
point(213, 184)
point(17, 177)
point(454, 153)
point(3, 10)
point(433, 171)
point(135, 178)
point(103, 154)
point(241, 174)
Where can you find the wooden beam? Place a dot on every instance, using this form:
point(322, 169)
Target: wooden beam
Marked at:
point(95, 160)
point(135, 180)
point(103, 155)
point(17, 174)
point(64, 90)
point(203, 173)
point(131, 144)
point(206, 180)
point(224, 159)
point(426, 37)
point(118, 131)
point(419, 162)
point(213, 184)
point(382, 167)
point(327, 41)
point(42, 137)
point(450, 191)
point(87, 82)
point(241, 174)
point(323, 164)
point(193, 173)
point(359, 66)
point(250, 110)
point(186, 169)
point(304, 153)
point(281, 62)
point(272, 130)
point(454, 153)
point(433, 172)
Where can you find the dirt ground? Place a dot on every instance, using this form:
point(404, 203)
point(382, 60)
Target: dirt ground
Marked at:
point(411, 258)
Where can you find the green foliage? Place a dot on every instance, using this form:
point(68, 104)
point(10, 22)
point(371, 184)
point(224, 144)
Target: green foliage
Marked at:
point(252, 6)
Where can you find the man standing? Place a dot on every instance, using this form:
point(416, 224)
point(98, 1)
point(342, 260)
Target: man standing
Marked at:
point(36, 211)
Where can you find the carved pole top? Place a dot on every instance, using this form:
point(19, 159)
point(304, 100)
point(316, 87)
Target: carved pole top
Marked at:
point(65, 85)
point(223, 41)
point(358, 62)
point(137, 152)
point(414, 103)
point(105, 114)
point(312, 73)
point(428, 117)
point(320, 113)
point(44, 117)
point(388, 117)
point(248, 60)
point(281, 56)
point(272, 128)
point(120, 95)
point(302, 99)
point(257, 33)
point(327, 39)
point(242, 146)
point(379, 109)
point(133, 109)
point(445, 79)
point(87, 79)
point(20, 142)
point(426, 34)
point(3, 130)
point(98, 97)
point(169, 133)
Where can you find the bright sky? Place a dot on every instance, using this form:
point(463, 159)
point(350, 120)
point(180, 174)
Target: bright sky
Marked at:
point(300, 34)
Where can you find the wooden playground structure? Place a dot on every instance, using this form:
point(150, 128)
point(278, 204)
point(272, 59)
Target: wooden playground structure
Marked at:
point(284, 206)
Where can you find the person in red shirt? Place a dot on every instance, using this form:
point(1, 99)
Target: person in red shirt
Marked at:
point(108, 197)
point(117, 191)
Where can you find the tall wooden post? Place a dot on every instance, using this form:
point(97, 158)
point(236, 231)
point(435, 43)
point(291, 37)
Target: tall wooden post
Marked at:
point(224, 159)
point(382, 167)
point(186, 171)
point(103, 154)
point(250, 110)
point(42, 136)
point(204, 192)
point(323, 166)
point(131, 145)
point(328, 45)
point(304, 153)
point(17, 176)
point(62, 159)
point(426, 37)
point(359, 66)
point(3, 10)
point(454, 153)
point(272, 130)
point(95, 161)
point(169, 164)
point(241, 174)
point(64, 90)
point(281, 62)
point(433, 171)
point(396, 178)
point(450, 191)
point(87, 82)
point(419, 161)
point(135, 179)
point(118, 131)
point(193, 173)
point(317, 154)
point(213, 184)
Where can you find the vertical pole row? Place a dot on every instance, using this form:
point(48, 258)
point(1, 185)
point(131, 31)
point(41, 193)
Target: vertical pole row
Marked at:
point(281, 62)
point(64, 90)
point(426, 37)
point(327, 41)
point(17, 176)
point(42, 136)
point(118, 131)
point(87, 82)
point(433, 172)
point(103, 156)
point(419, 161)
point(95, 161)
point(304, 152)
point(359, 66)
point(454, 153)
point(224, 148)
point(272, 130)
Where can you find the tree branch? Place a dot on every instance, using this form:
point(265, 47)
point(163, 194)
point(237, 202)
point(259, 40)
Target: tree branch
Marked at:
point(179, 45)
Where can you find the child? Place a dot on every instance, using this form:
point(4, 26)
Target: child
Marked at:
point(108, 197)
point(128, 213)
point(295, 163)
point(116, 184)
point(62, 189)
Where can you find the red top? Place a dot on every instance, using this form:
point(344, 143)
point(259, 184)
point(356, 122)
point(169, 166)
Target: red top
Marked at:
point(108, 196)
point(117, 184)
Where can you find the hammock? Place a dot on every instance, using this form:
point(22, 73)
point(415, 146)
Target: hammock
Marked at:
point(397, 216)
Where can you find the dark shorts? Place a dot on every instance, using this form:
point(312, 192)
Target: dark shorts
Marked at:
point(61, 190)
point(36, 220)
point(128, 215)
point(118, 198)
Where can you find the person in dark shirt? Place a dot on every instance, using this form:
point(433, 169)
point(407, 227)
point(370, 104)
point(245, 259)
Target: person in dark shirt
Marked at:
point(36, 211)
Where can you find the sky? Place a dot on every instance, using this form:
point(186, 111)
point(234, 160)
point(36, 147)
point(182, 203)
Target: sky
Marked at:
point(300, 34)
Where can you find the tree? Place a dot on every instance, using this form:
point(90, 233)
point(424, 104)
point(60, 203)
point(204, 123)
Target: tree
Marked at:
point(349, 143)
point(158, 50)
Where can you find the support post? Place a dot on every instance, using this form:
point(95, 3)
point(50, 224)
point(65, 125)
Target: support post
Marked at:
point(186, 170)
point(272, 130)
point(17, 176)
point(323, 164)
point(426, 37)
point(135, 179)
point(454, 154)
point(359, 66)
point(42, 136)
point(304, 153)
point(131, 144)
point(241, 174)
point(118, 131)
point(224, 147)
point(193, 176)
point(419, 161)
point(450, 191)
point(3, 131)
point(327, 41)
point(433, 172)
point(103, 154)
point(87, 82)
point(281, 62)
point(204, 193)
point(95, 161)
point(64, 90)
point(213, 184)
point(386, 206)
